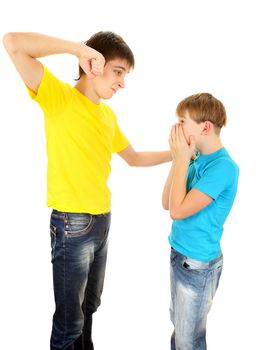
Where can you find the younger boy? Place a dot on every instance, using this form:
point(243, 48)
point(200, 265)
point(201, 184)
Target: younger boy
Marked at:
point(199, 193)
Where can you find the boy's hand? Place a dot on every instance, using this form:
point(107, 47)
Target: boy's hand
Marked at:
point(92, 62)
point(180, 149)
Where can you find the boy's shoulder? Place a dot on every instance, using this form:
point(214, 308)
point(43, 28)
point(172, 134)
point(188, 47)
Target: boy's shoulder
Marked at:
point(108, 111)
point(217, 165)
point(221, 158)
point(225, 161)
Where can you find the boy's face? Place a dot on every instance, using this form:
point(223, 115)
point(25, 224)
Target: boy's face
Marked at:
point(112, 79)
point(190, 127)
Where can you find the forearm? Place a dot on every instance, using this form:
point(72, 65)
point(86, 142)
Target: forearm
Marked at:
point(166, 189)
point(178, 187)
point(38, 45)
point(151, 158)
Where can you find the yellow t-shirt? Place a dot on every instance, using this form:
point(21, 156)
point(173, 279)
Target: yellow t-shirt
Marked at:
point(80, 138)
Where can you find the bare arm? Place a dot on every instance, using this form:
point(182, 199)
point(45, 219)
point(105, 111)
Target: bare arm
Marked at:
point(135, 158)
point(166, 189)
point(181, 203)
point(25, 48)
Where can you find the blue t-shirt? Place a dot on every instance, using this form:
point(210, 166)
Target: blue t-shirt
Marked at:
point(198, 236)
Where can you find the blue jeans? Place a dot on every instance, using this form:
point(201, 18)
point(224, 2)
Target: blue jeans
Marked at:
point(79, 251)
point(193, 286)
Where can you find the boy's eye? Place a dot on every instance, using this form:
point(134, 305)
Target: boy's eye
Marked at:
point(118, 72)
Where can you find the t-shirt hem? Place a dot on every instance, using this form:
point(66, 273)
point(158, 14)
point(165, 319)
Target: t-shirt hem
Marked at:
point(87, 210)
point(208, 193)
point(121, 148)
point(194, 256)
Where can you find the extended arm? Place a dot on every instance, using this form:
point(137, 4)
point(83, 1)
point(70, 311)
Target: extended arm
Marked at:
point(25, 48)
point(135, 158)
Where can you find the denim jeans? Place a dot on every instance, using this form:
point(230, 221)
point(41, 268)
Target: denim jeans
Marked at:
point(79, 251)
point(193, 286)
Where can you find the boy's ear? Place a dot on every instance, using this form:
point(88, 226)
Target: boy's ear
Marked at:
point(207, 127)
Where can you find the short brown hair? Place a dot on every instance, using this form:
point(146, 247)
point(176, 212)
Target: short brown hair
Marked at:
point(203, 107)
point(111, 46)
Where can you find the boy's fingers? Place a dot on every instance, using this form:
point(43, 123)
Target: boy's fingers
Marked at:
point(192, 144)
point(86, 66)
point(180, 136)
point(173, 133)
point(97, 66)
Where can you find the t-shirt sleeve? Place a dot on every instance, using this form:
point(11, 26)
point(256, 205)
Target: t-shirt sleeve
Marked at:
point(120, 141)
point(216, 178)
point(53, 95)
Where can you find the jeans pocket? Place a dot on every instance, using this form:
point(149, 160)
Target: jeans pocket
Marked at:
point(192, 264)
point(79, 225)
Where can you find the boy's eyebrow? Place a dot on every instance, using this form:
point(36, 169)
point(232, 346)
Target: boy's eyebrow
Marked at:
point(121, 67)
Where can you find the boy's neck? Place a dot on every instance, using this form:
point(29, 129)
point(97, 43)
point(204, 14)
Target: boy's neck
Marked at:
point(85, 88)
point(211, 145)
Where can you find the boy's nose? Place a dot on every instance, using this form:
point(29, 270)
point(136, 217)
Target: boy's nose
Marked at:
point(121, 84)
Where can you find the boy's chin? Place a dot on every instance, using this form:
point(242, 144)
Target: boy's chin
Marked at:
point(107, 96)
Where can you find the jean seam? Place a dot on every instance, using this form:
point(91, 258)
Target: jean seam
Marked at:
point(201, 303)
point(64, 277)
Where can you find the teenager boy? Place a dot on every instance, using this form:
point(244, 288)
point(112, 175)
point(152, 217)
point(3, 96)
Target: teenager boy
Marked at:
point(199, 193)
point(82, 133)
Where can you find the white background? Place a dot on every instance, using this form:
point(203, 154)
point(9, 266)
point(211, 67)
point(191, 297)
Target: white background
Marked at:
point(181, 47)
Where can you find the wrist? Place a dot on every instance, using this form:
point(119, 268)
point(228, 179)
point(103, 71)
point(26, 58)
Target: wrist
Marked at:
point(80, 50)
point(181, 159)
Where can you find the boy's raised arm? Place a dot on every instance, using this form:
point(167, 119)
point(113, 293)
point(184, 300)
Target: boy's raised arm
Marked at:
point(25, 48)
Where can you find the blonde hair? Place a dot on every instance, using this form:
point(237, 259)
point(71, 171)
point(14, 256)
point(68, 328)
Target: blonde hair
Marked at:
point(203, 107)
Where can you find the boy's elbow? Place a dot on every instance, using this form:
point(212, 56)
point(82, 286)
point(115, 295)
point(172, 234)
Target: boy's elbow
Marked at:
point(165, 205)
point(176, 214)
point(131, 162)
point(9, 43)
point(134, 160)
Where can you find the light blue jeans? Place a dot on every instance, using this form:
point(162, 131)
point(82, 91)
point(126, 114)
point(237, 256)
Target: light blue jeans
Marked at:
point(193, 286)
